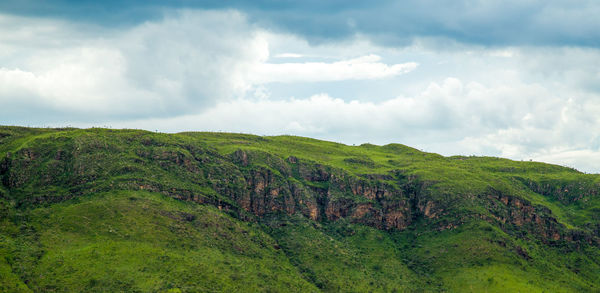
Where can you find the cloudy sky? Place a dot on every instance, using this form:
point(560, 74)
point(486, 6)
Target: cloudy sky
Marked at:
point(516, 79)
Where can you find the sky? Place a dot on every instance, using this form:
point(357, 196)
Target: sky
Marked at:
point(513, 79)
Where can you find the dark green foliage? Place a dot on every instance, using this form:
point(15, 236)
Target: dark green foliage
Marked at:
point(102, 210)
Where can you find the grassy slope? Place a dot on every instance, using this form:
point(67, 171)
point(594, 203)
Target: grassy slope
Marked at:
point(478, 257)
point(125, 240)
point(139, 241)
point(345, 257)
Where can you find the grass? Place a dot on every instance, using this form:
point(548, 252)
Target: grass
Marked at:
point(345, 257)
point(139, 241)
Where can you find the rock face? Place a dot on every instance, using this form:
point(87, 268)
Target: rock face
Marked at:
point(255, 184)
point(565, 192)
point(513, 211)
point(385, 201)
point(323, 193)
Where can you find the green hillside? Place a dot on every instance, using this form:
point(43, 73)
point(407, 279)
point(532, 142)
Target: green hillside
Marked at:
point(99, 210)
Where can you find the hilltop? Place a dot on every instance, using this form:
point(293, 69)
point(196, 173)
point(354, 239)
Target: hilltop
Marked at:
point(131, 210)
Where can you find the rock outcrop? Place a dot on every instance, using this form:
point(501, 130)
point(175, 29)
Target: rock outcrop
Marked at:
point(254, 184)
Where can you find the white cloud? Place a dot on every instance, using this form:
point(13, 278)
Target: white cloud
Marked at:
point(365, 67)
point(80, 79)
point(583, 159)
point(183, 63)
point(288, 55)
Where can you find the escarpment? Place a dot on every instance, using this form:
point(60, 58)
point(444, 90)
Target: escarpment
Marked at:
point(251, 184)
point(324, 193)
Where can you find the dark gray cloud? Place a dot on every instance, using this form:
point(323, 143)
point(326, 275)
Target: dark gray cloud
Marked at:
point(489, 23)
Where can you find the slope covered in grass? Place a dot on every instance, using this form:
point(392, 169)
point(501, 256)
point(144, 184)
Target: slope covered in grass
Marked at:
point(130, 210)
point(140, 241)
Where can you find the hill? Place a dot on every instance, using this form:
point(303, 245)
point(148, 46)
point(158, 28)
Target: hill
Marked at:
point(102, 210)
